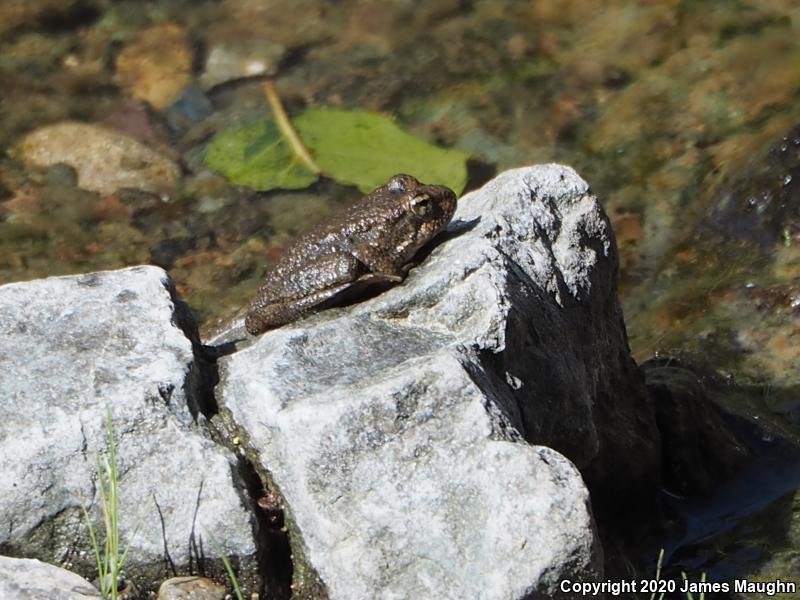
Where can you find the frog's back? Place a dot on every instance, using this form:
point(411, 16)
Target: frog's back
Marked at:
point(309, 259)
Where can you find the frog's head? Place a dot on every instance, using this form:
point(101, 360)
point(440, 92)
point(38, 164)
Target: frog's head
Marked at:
point(422, 210)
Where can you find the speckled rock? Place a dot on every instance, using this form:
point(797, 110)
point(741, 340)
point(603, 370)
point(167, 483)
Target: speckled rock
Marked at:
point(71, 348)
point(30, 579)
point(105, 160)
point(156, 65)
point(407, 433)
point(191, 588)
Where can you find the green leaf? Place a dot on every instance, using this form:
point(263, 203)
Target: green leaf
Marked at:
point(365, 149)
point(256, 155)
point(353, 147)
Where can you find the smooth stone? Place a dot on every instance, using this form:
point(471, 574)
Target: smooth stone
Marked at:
point(191, 588)
point(105, 160)
point(31, 579)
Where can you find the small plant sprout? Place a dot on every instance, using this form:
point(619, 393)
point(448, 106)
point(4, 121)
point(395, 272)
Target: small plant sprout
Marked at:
point(658, 574)
point(110, 556)
point(689, 595)
point(228, 566)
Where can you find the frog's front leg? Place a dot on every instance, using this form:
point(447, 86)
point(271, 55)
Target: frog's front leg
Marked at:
point(379, 265)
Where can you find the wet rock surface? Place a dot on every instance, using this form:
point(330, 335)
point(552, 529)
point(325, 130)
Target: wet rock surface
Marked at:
point(406, 432)
point(72, 348)
point(696, 458)
point(763, 206)
point(730, 293)
point(730, 474)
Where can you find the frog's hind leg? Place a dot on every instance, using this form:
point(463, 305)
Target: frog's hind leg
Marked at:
point(261, 317)
point(307, 288)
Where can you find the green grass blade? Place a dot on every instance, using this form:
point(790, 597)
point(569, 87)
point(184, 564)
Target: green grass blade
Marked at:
point(228, 567)
point(658, 574)
point(95, 547)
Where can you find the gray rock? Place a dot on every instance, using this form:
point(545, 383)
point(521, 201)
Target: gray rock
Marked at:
point(69, 348)
point(30, 579)
point(396, 429)
point(238, 59)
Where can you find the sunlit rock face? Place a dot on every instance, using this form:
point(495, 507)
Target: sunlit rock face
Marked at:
point(74, 351)
point(426, 440)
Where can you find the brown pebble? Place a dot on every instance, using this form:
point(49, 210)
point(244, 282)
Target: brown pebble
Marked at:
point(191, 588)
point(156, 65)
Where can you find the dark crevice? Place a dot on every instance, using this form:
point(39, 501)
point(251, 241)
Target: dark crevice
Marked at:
point(203, 375)
point(501, 405)
point(274, 553)
point(273, 550)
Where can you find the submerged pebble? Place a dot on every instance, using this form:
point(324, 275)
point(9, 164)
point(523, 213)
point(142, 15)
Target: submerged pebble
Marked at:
point(190, 588)
point(104, 159)
point(237, 59)
point(156, 64)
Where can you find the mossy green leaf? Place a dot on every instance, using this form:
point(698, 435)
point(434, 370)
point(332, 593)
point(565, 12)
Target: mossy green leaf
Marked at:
point(353, 147)
point(256, 155)
point(365, 149)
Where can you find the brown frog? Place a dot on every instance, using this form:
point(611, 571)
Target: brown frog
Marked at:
point(372, 241)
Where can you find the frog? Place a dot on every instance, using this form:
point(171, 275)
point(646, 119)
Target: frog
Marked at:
point(372, 242)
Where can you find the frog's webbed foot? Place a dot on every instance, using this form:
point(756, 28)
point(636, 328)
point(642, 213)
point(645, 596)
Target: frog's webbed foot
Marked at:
point(260, 318)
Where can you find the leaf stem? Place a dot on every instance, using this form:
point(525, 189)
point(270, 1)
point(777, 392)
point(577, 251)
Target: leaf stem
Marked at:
point(282, 120)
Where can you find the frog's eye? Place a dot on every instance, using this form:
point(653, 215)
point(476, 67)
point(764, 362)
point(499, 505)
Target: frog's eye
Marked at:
point(422, 205)
point(401, 183)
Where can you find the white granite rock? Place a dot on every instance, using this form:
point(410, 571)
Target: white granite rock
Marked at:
point(406, 432)
point(69, 348)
